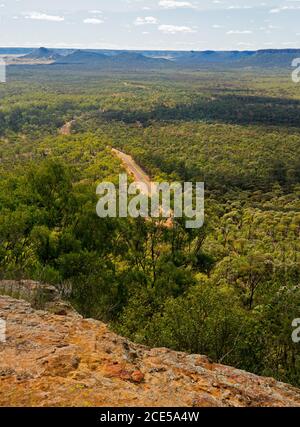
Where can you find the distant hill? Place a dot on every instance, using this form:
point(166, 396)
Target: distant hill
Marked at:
point(127, 60)
point(277, 58)
point(81, 57)
point(14, 50)
point(211, 56)
point(281, 58)
point(42, 53)
point(139, 60)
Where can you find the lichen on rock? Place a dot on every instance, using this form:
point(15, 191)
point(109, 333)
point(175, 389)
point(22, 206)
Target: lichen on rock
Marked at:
point(64, 360)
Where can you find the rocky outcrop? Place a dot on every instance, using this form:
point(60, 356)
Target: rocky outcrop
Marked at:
point(28, 290)
point(64, 360)
point(40, 295)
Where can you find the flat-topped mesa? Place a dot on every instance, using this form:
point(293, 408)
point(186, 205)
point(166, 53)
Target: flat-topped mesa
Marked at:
point(65, 360)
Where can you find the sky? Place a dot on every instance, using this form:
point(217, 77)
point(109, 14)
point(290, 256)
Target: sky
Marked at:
point(151, 24)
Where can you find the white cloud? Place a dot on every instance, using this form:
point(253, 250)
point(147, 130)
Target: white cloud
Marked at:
point(93, 21)
point(283, 8)
point(174, 4)
point(239, 32)
point(174, 29)
point(96, 12)
point(44, 17)
point(245, 44)
point(237, 7)
point(148, 20)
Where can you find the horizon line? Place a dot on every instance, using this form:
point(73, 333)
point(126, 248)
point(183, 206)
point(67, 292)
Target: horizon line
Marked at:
point(149, 50)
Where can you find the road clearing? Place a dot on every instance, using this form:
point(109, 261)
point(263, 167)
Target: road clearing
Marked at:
point(140, 177)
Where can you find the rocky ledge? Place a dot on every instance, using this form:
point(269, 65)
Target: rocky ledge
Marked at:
point(64, 360)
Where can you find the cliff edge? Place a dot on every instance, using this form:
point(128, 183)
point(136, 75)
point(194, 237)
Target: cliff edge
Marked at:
point(64, 360)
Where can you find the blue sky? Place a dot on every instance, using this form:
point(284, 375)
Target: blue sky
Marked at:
point(151, 24)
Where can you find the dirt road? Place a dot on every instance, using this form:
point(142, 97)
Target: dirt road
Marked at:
point(134, 170)
point(67, 128)
point(140, 176)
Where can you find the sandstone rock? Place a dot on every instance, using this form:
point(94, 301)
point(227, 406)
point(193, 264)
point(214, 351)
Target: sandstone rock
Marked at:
point(28, 290)
point(137, 376)
point(55, 360)
point(40, 295)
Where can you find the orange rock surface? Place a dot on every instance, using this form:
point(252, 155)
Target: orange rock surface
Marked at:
point(64, 360)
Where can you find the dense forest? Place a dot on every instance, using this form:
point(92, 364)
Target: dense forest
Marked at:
point(229, 290)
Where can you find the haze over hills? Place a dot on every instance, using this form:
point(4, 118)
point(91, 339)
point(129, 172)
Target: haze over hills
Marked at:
point(260, 58)
point(122, 59)
point(81, 57)
point(43, 53)
point(118, 60)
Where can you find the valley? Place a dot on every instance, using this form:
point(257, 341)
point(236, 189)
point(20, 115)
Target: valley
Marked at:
point(229, 290)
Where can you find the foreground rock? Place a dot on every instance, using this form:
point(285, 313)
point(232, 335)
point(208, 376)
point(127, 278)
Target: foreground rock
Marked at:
point(64, 360)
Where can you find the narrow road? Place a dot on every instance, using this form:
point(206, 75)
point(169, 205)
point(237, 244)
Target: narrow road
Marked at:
point(139, 176)
point(67, 128)
point(134, 170)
